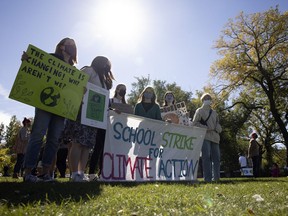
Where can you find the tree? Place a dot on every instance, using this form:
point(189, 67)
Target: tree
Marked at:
point(2, 132)
point(11, 131)
point(254, 56)
point(137, 88)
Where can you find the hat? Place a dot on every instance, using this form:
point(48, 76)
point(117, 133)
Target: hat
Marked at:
point(205, 95)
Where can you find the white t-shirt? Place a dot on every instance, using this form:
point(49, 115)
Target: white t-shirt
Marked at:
point(242, 161)
point(115, 100)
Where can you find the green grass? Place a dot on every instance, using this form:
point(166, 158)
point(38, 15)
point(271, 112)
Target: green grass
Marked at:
point(234, 196)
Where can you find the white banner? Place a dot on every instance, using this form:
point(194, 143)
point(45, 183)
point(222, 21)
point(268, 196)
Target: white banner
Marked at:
point(141, 149)
point(95, 106)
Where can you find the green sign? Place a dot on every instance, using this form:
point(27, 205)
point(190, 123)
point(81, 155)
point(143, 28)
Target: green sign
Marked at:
point(50, 84)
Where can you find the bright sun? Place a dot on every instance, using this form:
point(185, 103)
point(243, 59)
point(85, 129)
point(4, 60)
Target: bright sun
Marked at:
point(121, 23)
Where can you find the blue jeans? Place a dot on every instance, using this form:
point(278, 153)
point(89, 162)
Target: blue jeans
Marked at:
point(211, 161)
point(44, 122)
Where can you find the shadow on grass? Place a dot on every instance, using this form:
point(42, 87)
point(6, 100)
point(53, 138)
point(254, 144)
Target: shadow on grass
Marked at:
point(15, 193)
point(21, 193)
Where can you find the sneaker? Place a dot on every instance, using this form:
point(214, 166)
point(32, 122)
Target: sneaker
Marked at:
point(79, 178)
point(46, 177)
point(31, 178)
point(93, 177)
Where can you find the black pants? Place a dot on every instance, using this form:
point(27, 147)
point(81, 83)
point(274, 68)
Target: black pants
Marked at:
point(61, 161)
point(19, 163)
point(96, 160)
point(256, 166)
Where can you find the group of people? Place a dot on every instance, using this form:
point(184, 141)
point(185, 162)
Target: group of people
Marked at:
point(83, 139)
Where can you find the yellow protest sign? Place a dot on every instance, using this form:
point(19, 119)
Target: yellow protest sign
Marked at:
point(50, 84)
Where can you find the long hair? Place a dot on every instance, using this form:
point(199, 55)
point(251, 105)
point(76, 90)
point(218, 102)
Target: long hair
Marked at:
point(153, 99)
point(102, 66)
point(115, 94)
point(73, 56)
point(168, 92)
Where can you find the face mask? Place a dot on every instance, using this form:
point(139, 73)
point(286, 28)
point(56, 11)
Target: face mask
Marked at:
point(169, 98)
point(122, 92)
point(148, 95)
point(207, 102)
point(70, 49)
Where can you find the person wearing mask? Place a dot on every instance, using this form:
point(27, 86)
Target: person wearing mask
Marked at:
point(206, 117)
point(147, 105)
point(169, 99)
point(119, 94)
point(253, 153)
point(83, 137)
point(46, 123)
point(21, 145)
point(96, 160)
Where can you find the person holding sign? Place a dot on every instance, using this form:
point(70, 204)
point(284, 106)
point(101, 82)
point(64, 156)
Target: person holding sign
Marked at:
point(119, 95)
point(207, 118)
point(147, 106)
point(83, 137)
point(97, 155)
point(169, 99)
point(46, 123)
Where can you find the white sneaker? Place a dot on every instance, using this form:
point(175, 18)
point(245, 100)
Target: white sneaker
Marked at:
point(78, 178)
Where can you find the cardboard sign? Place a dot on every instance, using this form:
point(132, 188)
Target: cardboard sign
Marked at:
point(95, 106)
point(142, 149)
point(176, 113)
point(125, 108)
point(46, 82)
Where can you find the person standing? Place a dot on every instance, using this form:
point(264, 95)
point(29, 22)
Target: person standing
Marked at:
point(207, 118)
point(253, 153)
point(83, 137)
point(147, 105)
point(169, 99)
point(96, 160)
point(46, 123)
point(242, 161)
point(21, 145)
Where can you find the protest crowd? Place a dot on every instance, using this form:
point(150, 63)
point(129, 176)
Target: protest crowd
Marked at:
point(76, 149)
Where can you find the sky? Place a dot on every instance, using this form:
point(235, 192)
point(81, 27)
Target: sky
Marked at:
point(169, 40)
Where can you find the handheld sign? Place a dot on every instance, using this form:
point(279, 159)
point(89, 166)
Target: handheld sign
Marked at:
point(46, 82)
point(95, 105)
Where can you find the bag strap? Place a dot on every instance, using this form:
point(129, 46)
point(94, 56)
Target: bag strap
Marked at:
point(210, 111)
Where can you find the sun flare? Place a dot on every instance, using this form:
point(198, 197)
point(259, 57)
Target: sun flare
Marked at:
point(121, 23)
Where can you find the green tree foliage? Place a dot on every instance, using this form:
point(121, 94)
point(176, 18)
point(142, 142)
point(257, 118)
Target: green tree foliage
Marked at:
point(137, 88)
point(6, 159)
point(255, 60)
point(12, 131)
point(2, 132)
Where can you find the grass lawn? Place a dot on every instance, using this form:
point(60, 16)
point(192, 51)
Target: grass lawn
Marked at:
point(231, 196)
